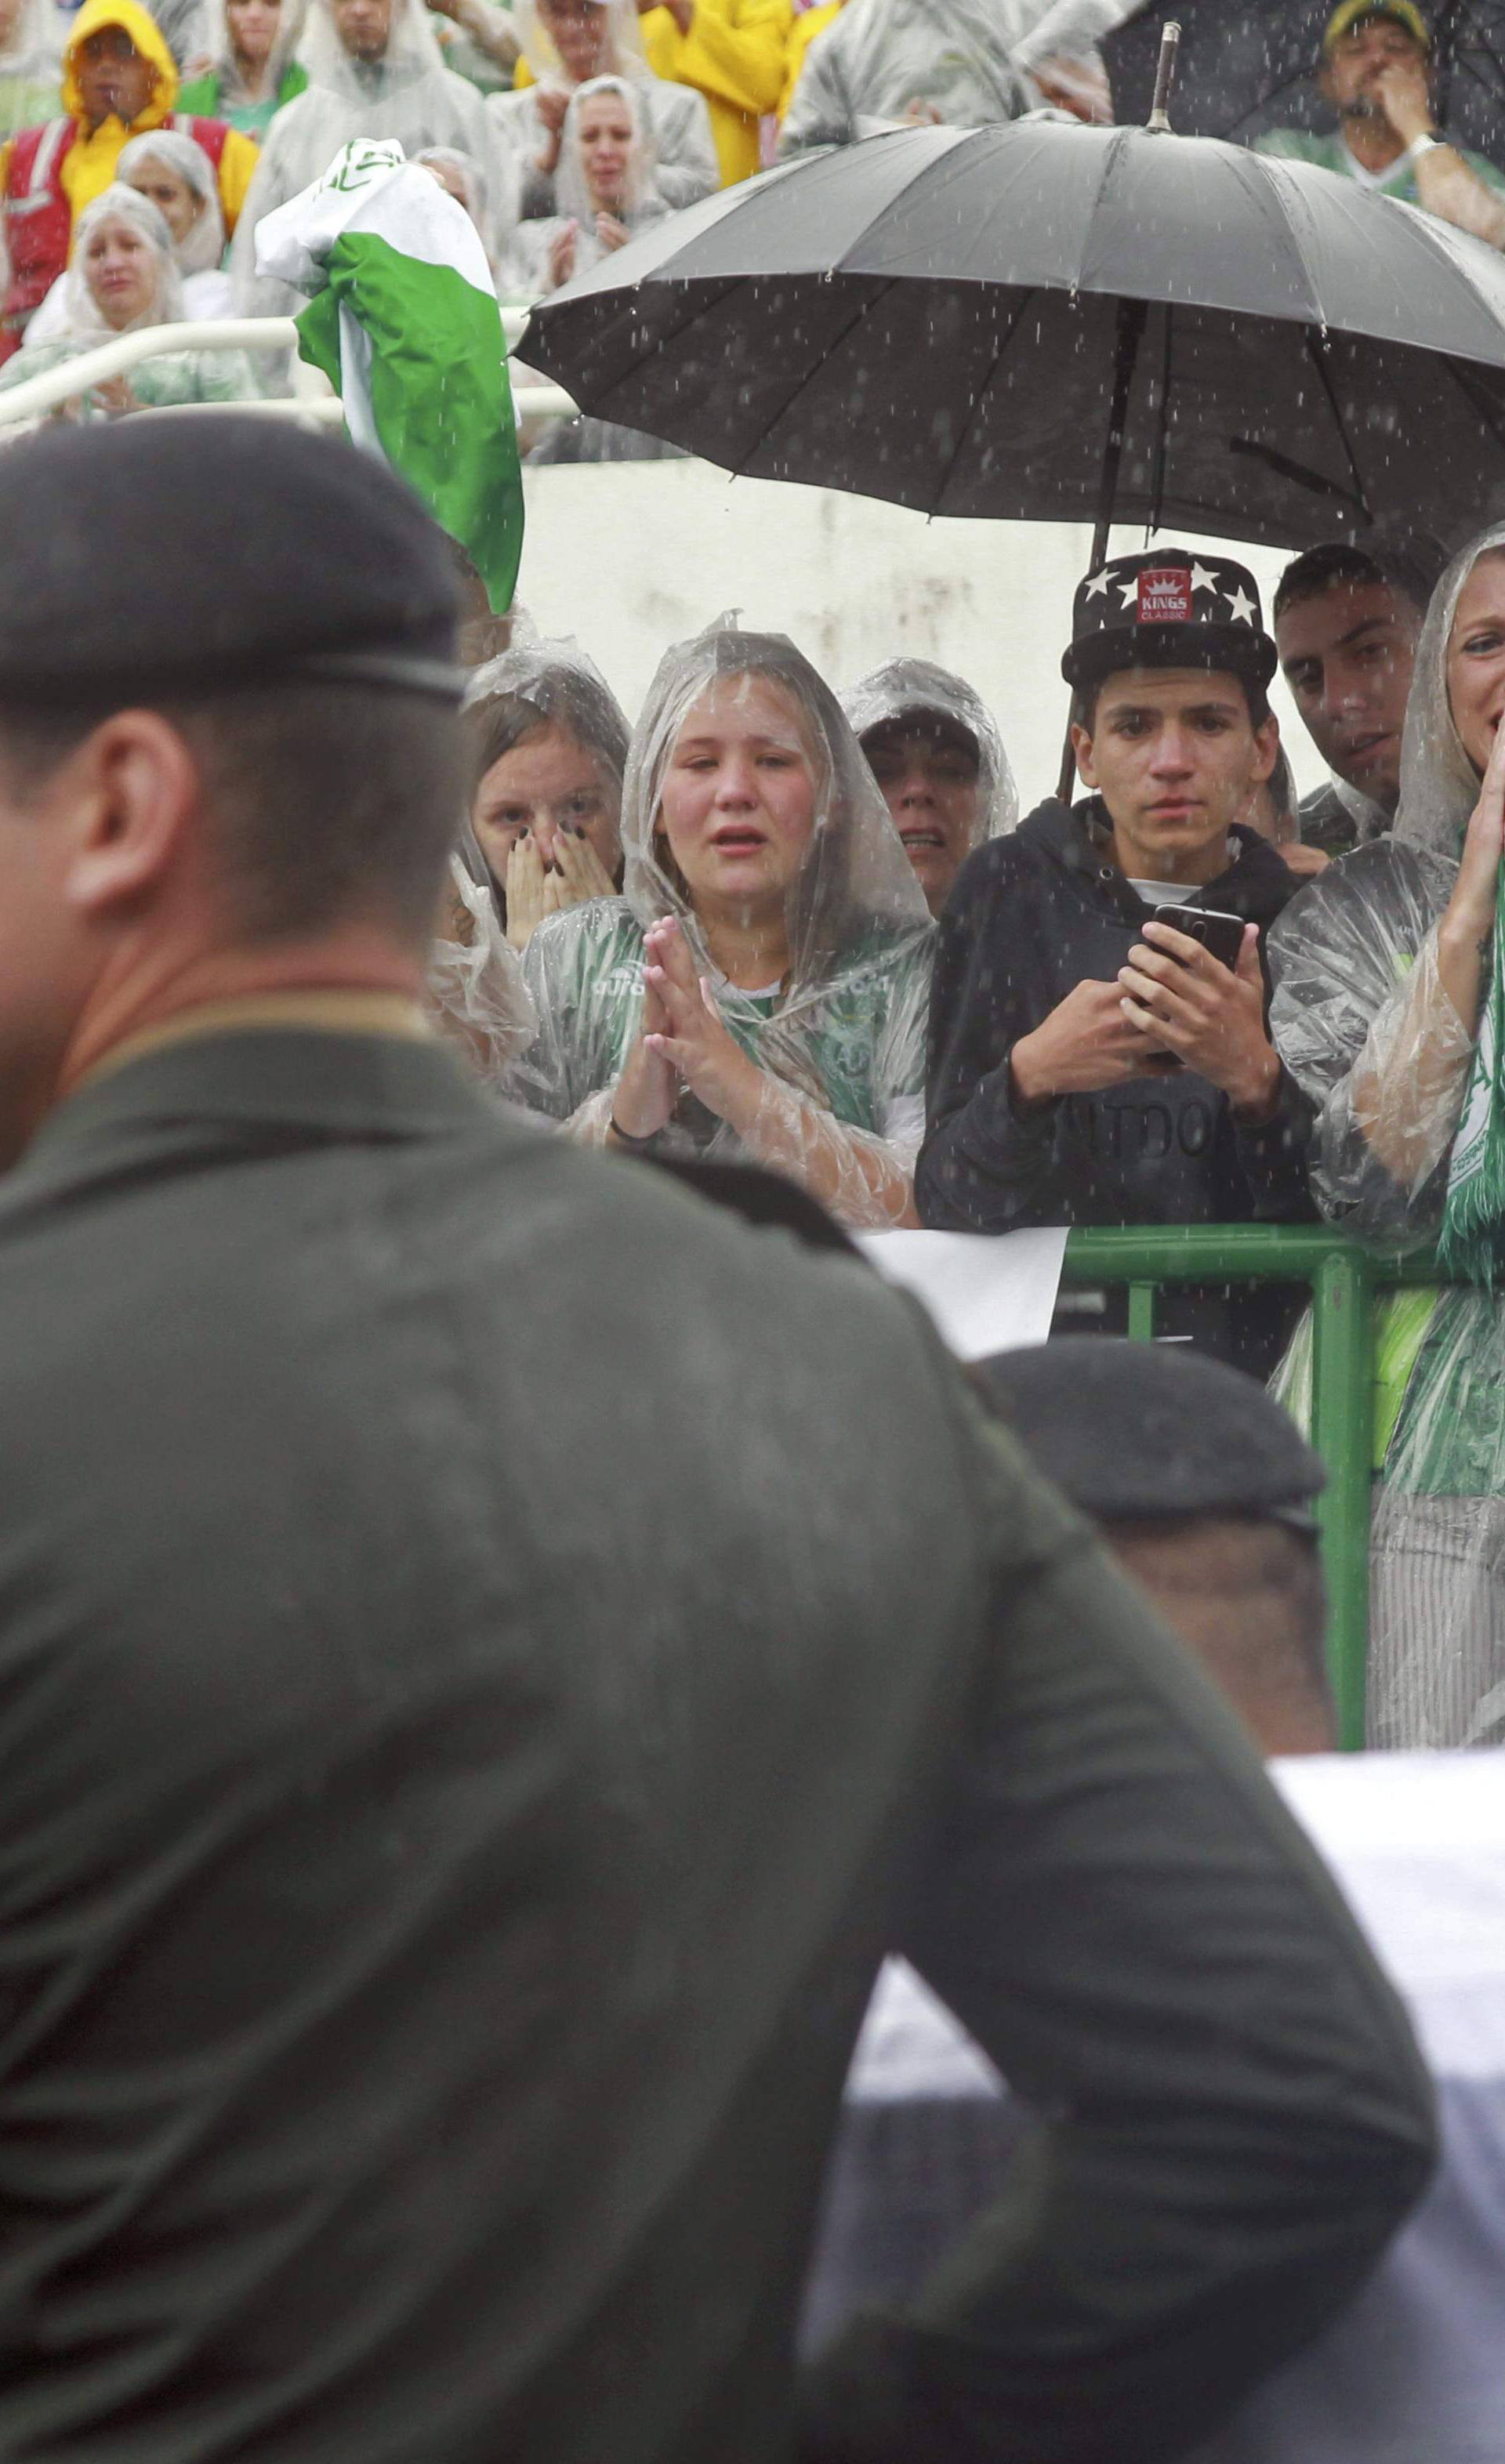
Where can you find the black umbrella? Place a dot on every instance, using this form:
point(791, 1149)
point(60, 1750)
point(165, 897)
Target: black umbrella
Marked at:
point(1244, 69)
point(1042, 321)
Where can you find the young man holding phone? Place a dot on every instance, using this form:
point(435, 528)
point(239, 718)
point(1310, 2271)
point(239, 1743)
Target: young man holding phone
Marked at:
point(1098, 1046)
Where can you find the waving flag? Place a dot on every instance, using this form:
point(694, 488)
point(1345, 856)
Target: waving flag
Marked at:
point(404, 322)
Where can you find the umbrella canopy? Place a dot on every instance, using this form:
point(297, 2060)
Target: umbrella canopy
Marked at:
point(1242, 69)
point(1025, 322)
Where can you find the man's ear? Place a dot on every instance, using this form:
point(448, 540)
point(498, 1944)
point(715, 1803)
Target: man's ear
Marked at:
point(1267, 749)
point(1082, 747)
point(133, 794)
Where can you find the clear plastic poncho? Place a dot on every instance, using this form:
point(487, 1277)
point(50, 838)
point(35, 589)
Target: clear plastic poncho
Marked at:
point(641, 203)
point(683, 163)
point(916, 688)
point(220, 50)
point(880, 56)
point(203, 246)
point(83, 319)
point(471, 181)
point(408, 94)
point(475, 993)
point(562, 684)
point(1362, 1021)
point(840, 1041)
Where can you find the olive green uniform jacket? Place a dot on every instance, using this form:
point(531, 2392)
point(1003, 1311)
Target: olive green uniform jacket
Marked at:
point(492, 1653)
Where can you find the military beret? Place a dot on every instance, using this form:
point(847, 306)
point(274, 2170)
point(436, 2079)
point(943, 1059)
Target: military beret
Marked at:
point(1168, 608)
point(1150, 1432)
point(196, 551)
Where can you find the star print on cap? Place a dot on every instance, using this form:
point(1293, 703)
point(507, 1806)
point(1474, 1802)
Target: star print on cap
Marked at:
point(1168, 608)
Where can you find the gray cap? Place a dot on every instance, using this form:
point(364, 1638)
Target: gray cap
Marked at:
point(1150, 1432)
point(193, 553)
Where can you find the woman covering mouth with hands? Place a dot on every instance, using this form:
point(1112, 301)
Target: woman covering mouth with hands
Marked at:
point(1382, 1009)
point(761, 988)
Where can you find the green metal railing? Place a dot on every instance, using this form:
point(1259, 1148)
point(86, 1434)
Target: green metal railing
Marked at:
point(1344, 1282)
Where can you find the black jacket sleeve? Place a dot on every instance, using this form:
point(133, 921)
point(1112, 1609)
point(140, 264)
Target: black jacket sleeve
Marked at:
point(1272, 1157)
point(986, 1165)
point(1232, 2115)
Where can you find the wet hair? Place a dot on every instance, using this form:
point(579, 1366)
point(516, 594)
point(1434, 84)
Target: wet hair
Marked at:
point(497, 723)
point(327, 802)
point(1410, 567)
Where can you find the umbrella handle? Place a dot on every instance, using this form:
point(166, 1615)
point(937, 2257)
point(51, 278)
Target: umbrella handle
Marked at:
point(1164, 75)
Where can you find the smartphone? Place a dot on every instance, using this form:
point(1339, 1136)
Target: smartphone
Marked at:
point(1220, 934)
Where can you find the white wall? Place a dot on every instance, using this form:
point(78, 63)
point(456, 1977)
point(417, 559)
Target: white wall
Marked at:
point(632, 556)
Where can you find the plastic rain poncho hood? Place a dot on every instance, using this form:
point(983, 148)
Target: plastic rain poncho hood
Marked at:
point(641, 202)
point(203, 247)
point(408, 94)
point(1361, 1020)
point(916, 688)
point(840, 1041)
point(564, 686)
point(83, 321)
point(219, 46)
point(676, 123)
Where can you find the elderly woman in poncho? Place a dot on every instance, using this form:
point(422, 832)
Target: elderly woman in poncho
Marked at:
point(123, 277)
point(1387, 1009)
point(760, 990)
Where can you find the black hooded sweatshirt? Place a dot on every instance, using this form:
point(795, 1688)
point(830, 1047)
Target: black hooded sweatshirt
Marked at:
point(1032, 915)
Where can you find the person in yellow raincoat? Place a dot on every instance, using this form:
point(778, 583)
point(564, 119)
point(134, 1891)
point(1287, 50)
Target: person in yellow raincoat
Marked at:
point(118, 80)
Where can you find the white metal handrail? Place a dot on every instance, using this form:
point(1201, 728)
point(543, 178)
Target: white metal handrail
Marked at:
point(124, 352)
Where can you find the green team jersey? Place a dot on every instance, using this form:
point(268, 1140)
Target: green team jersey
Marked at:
point(864, 1032)
point(1330, 154)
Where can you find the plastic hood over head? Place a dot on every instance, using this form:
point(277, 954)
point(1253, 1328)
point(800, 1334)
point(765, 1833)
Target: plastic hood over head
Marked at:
point(856, 877)
point(291, 20)
point(147, 38)
point(201, 251)
point(1439, 784)
point(916, 688)
point(412, 52)
point(622, 52)
point(571, 189)
point(562, 684)
point(121, 204)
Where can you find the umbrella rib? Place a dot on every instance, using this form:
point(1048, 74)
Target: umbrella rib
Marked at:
point(739, 468)
point(977, 400)
point(1314, 355)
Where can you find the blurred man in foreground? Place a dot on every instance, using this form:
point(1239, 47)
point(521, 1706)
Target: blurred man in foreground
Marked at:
point(493, 1653)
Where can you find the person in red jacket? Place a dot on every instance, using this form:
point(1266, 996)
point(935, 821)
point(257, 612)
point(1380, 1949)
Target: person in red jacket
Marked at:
point(118, 80)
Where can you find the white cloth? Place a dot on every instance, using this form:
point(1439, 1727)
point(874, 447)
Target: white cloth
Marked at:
point(409, 96)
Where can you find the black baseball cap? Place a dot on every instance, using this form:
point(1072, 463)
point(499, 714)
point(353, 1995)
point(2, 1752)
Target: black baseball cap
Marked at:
point(1168, 608)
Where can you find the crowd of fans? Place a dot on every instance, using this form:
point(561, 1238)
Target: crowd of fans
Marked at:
point(811, 930)
point(566, 125)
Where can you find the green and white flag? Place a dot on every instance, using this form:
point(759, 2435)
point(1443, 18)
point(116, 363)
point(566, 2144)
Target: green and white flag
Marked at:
point(1472, 1241)
point(404, 322)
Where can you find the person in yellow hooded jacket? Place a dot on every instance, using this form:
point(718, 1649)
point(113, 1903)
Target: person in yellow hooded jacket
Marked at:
point(118, 80)
point(802, 34)
point(729, 52)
